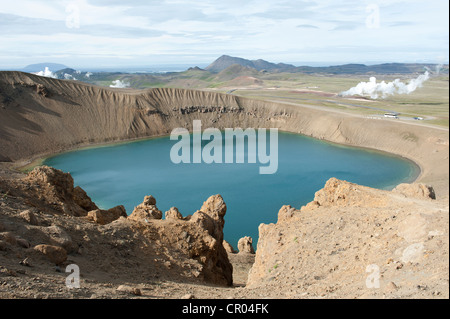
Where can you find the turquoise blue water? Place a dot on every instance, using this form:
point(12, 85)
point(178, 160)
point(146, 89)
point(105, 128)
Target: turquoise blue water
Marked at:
point(123, 174)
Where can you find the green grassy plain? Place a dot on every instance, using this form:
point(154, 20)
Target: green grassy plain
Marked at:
point(430, 102)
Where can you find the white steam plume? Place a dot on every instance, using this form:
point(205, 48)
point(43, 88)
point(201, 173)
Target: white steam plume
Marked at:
point(383, 89)
point(119, 84)
point(47, 73)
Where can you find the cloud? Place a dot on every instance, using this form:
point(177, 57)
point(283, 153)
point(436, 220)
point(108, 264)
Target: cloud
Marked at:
point(401, 24)
point(14, 24)
point(142, 32)
point(307, 26)
point(345, 27)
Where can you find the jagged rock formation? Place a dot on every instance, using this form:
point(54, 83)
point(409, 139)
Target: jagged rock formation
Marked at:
point(245, 245)
point(53, 227)
point(146, 210)
point(416, 190)
point(55, 188)
point(210, 217)
point(332, 246)
point(104, 217)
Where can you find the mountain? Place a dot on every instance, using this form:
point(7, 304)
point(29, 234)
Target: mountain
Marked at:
point(385, 68)
point(41, 66)
point(234, 71)
point(226, 61)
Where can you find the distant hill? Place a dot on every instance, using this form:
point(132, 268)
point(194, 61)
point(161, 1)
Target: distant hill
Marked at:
point(385, 68)
point(41, 66)
point(234, 71)
point(226, 61)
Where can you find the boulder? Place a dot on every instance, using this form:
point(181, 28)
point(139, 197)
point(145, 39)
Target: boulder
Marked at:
point(204, 221)
point(310, 206)
point(345, 194)
point(212, 254)
point(131, 290)
point(149, 200)
point(8, 237)
point(215, 208)
point(417, 190)
point(104, 217)
point(4, 245)
point(245, 245)
point(55, 254)
point(228, 248)
point(23, 242)
point(29, 216)
point(173, 214)
point(285, 213)
point(146, 210)
point(83, 200)
point(56, 189)
point(59, 237)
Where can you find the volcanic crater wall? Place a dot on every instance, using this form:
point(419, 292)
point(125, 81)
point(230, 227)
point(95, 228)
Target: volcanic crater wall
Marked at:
point(41, 116)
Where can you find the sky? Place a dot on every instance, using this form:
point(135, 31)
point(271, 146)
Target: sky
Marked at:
point(134, 33)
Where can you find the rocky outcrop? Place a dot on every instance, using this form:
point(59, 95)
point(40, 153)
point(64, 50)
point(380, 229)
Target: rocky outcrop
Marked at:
point(228, 248)
point(207, 109)
point(55, 254)
point(342, 193)
point(146, 210)
point(173, 214)
point(56, 188)
point(53, 219)
point(418, 190)
point(245, 245)
point(332, 246)
point(210, 217)
point(104, 217)
point(83, 200)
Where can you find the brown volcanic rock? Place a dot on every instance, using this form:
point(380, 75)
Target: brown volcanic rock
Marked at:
point(177, 250)
point(418, 190)
point(173, 213)
point(342, 193)
point(210, 217)
point(330, 247)
point(245, 245)
point(55, 187)
point(104, 217)
point(146, 210)
point(55, 254)
point(81, 198)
